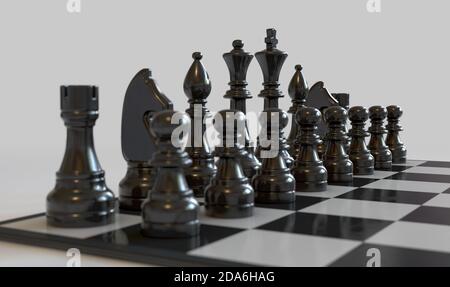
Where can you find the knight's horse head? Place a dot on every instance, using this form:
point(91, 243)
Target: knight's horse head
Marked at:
point(143, 98)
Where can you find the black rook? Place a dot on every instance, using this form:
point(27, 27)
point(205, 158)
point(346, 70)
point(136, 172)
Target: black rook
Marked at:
point(80, 197)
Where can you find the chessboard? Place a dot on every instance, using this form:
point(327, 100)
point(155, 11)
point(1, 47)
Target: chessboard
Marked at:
point(403, 214)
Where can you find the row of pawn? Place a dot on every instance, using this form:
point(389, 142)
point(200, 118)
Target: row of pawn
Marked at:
point(171, 209)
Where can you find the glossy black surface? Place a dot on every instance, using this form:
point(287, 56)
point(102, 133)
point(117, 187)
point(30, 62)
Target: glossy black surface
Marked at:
point(393, 141)
point(336, 160)
point(298, 91)
point(230, 194)
point(80, 197)
point(327, 225)
point(359, 154)
point(386, 195)
point(377, 145)
point(308, 170)
point(393, 257)
point(429, 214)
point(300, 202)
point(357, 182)
point(320, 98)
point(132, 237)
point(238, 61)
point(142, 99)
point(271, 61)
point(436, 164)
point(197, 87)
point(445, 178)
point(274, 182)
point(170, 211)
point(344, 101)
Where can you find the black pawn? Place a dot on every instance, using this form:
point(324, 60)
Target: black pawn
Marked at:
point(80, 197)
point(274, 183)
point(393, 141)
point(344, 101)
point(197, 88)
point(298, 91)
point(309, 171)
point(229, 195)
point(377, 146)
point(237, 61)
point(363, 161)
point(337, 162)
point(170, 210)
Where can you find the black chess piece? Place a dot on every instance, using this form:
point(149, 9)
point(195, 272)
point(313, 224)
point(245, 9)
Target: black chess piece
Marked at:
point(197, 88)
point(80, 197)
point(363, 161)
point(271, 61)
point(229, 195)
point(298, 91)
point(237, 61)
point(320, 98)
point(309, 171)
point(337, 162)
point(393, 141)
point(170, 210)
point(142, 99)
point(377, 145)
point(274, 183)
point(344, 101)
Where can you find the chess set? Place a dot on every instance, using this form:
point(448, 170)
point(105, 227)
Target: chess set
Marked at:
point(319, 197)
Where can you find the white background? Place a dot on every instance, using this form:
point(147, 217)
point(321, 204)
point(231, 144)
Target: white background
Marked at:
point(399, 56)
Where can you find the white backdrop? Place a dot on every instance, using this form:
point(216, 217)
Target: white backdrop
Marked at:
point(398, 56)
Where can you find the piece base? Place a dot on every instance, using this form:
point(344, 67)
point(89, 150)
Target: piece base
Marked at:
point(221, 211)
point(77, 220)
point(311, 186)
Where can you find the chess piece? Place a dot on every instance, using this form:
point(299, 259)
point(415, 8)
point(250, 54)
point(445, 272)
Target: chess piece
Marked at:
point(237, 61)
point(344, 101)
point(80, 197)
point(298, 91)
point(309, 171)
point(229, 195)
point(377, 146)
point(143, 98)
point(337, 162)
point(320, 98)
point(393, 141)
point(274, 183)
point(363, 161)
point(271, 61)
point(170, 210)
point(197, 88)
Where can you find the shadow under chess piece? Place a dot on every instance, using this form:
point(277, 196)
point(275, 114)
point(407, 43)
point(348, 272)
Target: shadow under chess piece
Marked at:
point(393, 141)
point(309, 171)
point(298, 91)
point(80, 197)
point(363, 161)
point(229, 195)
point(274, 183)
point(337, 162)
point(170, 211)
point(237, 61)
point(197, 88)
point(377, 146)
point(143, 98)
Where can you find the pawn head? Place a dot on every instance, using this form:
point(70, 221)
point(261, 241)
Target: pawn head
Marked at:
point(358, 114)
point(274, 116)
point(377, 113)
point(164, 123)
point(308, 116)
point(394, 112)
point(336, 114)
